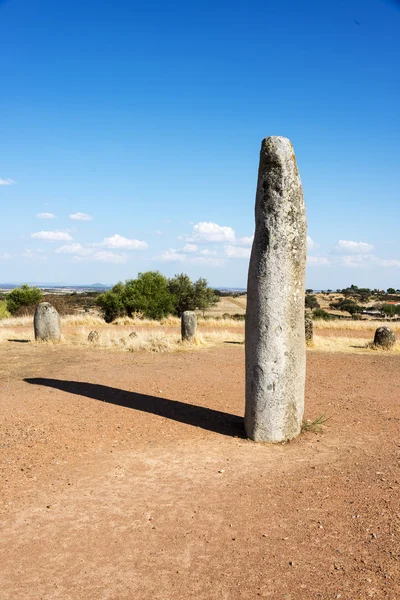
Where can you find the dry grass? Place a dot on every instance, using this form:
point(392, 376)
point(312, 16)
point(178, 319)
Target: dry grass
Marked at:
point(144, 341)
point(351, 325)
point(348, 345)
point(151, 341)
point(90, 320)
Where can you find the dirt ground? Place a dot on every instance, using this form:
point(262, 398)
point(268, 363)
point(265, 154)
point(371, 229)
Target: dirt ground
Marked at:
point(126, 477)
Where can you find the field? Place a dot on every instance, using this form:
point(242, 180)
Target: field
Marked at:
point(126, 474)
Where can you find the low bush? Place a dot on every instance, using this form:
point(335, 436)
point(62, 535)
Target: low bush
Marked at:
point(23, 300)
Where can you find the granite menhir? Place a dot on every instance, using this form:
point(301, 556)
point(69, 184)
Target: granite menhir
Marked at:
point(275, 344)
point(46, 322)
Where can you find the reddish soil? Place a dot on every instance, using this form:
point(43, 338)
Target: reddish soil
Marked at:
point(126, 477)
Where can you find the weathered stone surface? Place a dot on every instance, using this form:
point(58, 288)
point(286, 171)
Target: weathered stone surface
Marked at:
point(188, 326)
point(46, 322)
point(309, 330)
point(384, 338)
point(93, 337)
point(275, 340)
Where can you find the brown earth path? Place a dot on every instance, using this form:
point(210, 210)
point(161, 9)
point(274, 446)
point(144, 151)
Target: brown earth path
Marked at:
point(125, 476)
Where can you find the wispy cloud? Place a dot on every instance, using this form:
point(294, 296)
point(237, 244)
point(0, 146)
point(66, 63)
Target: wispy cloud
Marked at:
point(207, 252)
point(45, 215)
point(310, 243)
point(6, 181)
point(34, 254)
point(52, 236)
point(348, 246)
point(317, 261)
point(80, 253)
point(190, 248)
point(353, 261)
point(246, 241)
point(75, 249)
point(80, 217)
point(118, 241)
point(207, 260)
point(109, 257)
point(172, 255)
point(237, 252)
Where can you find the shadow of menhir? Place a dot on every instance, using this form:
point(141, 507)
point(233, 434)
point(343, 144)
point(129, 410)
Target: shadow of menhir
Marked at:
point(198, 416)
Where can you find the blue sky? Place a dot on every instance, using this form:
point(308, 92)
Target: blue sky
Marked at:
point(135, 128)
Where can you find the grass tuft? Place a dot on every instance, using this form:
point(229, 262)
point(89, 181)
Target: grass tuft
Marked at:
point(316, 426)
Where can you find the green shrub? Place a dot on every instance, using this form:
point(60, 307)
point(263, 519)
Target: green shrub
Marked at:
point(4, 314)
point(24, 297)
point(155, 297)
point(320, 313)
point(311, 301)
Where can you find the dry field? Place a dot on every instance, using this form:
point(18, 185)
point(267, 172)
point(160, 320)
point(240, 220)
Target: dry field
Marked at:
point(126, 476)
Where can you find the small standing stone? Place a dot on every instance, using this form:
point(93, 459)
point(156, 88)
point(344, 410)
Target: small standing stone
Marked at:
point(188, 326)
point(93, 337)
point(132, 335)
point(46, 323)
point(309, 329)
point(384, 338)
point(275, 344)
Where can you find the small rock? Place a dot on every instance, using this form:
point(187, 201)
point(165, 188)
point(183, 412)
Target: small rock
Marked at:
point(384, 338)
point(93, 337)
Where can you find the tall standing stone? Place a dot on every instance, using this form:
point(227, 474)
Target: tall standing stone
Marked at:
point(275, 344)
point(46, 322)
point(188, 326)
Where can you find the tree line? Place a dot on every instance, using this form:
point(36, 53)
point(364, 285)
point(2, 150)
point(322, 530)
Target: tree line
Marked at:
point(150, 295)
point(154, 296)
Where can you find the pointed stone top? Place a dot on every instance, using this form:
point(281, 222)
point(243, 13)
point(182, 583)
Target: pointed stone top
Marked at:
point(277, 150)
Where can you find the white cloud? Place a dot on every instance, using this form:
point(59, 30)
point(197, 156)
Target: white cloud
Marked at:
point(206, 260)
point(172, 255)
point(6, 181)
point(346, 246)
point(5, 255)
point(211, 232)
point(190, 248)
point(207, 252)
point(317, 261)
point(158, 232)
point(237, 252)
point(80, 217)
point(45, 216)
point(246, 241)
point(80, 252)
point(352, 261)
point(365, 261)
point(118, 241)
point(310, 243)
point(388, 263)
point(33, 255)
point(52, 236)
point(76, 249)
point(109, 257)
